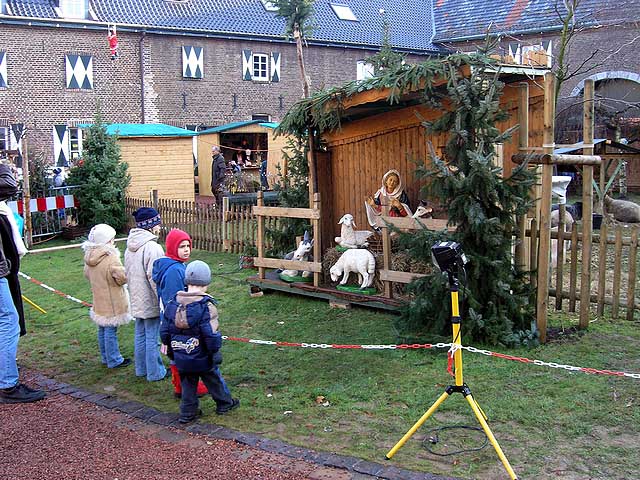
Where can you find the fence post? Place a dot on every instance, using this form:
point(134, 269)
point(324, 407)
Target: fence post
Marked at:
point(260, 234)
point(633, 266)
point(26, 195)
point(316, 239)
point(587, 205)
point(523, 143)
point(154, 198)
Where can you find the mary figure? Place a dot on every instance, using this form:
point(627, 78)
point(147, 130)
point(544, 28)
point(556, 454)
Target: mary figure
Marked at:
point(390, 194)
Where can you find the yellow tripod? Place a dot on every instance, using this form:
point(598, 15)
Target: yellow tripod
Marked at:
point(459, 387)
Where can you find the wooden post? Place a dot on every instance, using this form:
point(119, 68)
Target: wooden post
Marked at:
point(317, 245)
point(587, 205)
point(545, 208)
point(26, 193)
point(573, 272)
point(560, 257)
point(602, 268)
point(260, 235)
point(386, 260)
point(521, 254)
point(154, 198)
point(633, 268)
point(311, 161)
point(225, 229)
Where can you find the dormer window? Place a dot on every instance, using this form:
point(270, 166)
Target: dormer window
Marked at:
point(74, 8)
point(344, 12)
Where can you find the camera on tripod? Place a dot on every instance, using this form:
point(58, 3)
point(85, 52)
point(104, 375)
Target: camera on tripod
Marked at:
point(448, 256)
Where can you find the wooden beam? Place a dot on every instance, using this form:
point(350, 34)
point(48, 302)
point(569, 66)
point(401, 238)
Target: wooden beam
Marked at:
point(410, 223)
point(290, 212)
point(399, 277)
point(287, 264)
point(556, 159)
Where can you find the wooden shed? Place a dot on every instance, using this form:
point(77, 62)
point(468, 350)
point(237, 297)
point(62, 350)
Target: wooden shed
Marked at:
point(376, 135)
point(235, 139)
point(160, 157)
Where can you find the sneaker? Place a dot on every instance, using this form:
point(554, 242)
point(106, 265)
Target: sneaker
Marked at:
point(222, 411)
point(125, 363)
point(20, 394)
point(190, 418)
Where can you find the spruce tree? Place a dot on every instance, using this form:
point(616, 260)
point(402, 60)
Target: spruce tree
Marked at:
point(102, 179)
point(496, 302)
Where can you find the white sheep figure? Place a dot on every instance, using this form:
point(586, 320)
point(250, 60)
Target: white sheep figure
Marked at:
point(358, 260)
point(350, 238)
point(622, 210)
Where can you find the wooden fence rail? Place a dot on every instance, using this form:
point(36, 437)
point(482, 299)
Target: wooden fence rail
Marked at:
point(210, 228)
point(614, 261)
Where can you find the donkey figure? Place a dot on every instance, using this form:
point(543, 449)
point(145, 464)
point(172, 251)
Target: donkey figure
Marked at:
point(302, 253)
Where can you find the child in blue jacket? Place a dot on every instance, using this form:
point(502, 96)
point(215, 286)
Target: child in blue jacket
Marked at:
point(191, 332)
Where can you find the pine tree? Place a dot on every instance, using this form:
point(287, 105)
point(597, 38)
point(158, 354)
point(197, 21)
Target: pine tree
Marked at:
point(292, 192)
point(496, 305)
point(386, 58)
point(102, 179)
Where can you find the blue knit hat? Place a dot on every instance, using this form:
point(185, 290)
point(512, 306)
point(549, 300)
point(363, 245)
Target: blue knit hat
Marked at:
point(147, 218)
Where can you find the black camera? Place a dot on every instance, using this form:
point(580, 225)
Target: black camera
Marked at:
point(448, 256)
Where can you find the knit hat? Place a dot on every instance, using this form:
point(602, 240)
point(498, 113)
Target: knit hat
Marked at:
point(197, 273)
point(174, 239)
point(147, 218)
point(101, 234)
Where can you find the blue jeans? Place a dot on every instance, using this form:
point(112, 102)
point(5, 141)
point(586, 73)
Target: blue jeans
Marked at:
point(215, 384)
point(9, 335)
point(109, 348)
point(146, 352)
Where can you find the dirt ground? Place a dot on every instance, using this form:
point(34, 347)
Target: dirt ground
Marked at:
point(62, 437)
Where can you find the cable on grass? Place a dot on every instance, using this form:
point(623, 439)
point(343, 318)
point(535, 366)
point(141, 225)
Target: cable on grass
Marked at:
point(434, 439)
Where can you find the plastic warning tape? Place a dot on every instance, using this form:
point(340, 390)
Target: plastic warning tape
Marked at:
point(57, 292)
point(403, 346)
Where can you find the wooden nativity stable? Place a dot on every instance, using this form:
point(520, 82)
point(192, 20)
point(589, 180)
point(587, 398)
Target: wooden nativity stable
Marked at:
point(364, 130)
point(376, 136)
point(160, 157)
point(234, 139)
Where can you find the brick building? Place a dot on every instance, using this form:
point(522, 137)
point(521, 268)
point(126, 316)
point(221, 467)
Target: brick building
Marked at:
point(189, 63)
point(203, 63)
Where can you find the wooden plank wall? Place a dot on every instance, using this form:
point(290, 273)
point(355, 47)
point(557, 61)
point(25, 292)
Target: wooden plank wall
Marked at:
point(363, 150)
point(205, 142)
point(163, 164)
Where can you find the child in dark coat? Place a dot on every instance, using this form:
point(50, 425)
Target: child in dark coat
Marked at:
point(191, 331)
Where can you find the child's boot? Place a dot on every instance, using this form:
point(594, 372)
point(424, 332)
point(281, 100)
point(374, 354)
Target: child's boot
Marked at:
point(202, 389)
point(175, 380)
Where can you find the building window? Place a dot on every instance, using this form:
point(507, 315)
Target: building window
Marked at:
point(263, 117)
point(364, 70)
point(4, 139)
point(344, 12)
point(3, 69)
point(74, 8)
point(260, 67)
point(75, 143)
point(79, 70)
point(269, 6)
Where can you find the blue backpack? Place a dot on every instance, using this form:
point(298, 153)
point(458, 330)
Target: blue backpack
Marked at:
point(193, 342)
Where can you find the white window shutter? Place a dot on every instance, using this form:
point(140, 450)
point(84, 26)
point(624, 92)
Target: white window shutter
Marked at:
point(60, 145)
point(3, 69)
point(247, 64)
point(275, 67)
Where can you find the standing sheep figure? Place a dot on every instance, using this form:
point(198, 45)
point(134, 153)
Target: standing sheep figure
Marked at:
point(360, 261)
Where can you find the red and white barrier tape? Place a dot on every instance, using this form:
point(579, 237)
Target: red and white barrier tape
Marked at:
point(57, 292)
point(44, 204)
point(404, 346)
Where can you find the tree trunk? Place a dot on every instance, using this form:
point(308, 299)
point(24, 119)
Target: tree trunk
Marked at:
point(303, 73)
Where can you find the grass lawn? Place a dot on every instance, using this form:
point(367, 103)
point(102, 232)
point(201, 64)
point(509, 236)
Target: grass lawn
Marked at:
point(550, 423)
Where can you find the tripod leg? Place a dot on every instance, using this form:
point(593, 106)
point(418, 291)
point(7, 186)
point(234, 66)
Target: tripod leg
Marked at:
point(485, 426)
point(413, 429)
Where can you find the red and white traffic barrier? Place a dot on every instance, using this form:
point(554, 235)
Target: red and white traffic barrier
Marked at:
point(452, 347)
point(44, 204)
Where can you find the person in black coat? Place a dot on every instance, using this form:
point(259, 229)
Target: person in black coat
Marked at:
point(12, 324)
point(218, 172)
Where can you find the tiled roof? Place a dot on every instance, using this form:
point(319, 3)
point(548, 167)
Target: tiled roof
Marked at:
point(411, 25)
point(33, 8)
point(460, 19)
